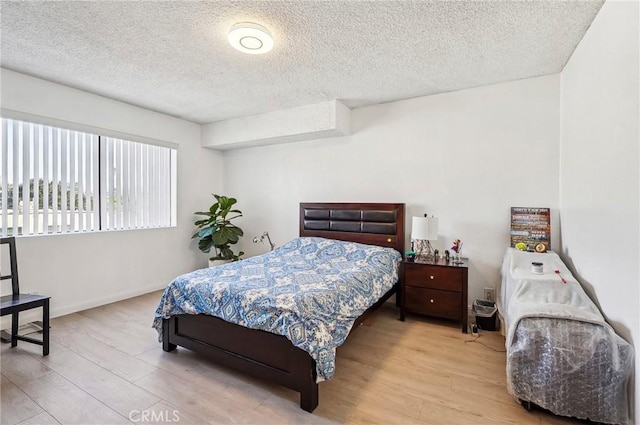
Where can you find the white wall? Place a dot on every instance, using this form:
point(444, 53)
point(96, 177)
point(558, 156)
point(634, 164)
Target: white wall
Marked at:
point(84, 270)
point(599, 179)
point(466, 156)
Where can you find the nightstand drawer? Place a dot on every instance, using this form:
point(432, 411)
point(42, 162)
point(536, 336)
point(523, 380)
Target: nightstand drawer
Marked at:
point(433, 302)
point(434, 277)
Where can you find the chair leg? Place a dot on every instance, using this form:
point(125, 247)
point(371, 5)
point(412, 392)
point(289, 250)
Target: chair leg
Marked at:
point(14, 329)
point(45, 328)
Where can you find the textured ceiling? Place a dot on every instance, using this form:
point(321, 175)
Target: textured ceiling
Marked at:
point(173, 56)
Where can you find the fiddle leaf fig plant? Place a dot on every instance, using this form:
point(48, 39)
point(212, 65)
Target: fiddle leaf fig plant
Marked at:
point(217, 231)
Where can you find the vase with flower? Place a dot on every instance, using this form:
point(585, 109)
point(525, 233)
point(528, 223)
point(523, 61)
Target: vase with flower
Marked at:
point(457, 249)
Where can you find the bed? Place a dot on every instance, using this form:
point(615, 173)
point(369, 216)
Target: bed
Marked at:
point(561, 353)
point(372, 227)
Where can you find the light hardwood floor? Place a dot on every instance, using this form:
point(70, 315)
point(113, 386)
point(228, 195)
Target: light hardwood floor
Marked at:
point(106, 367)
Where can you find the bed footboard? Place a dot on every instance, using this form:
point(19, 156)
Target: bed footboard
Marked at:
point(243, 349)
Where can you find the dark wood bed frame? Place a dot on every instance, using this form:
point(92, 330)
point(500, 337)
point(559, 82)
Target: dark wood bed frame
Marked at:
point(244, 349)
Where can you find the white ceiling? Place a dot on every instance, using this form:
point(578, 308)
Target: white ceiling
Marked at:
point(173, 56)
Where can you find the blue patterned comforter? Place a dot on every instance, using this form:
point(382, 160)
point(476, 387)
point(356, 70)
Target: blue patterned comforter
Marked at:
point(310, 290)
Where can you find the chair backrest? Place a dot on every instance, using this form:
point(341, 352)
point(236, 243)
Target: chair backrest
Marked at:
point(15, 288)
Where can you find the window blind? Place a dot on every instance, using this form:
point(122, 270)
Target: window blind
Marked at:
point(136, 185)
point(57, 180)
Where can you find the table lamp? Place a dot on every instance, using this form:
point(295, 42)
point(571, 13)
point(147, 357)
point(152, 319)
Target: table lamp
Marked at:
point(423, 230)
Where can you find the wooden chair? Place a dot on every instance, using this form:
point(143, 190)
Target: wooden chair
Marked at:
point(16, 302)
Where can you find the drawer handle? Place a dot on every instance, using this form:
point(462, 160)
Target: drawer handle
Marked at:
point(431, 277)
point(432, 301)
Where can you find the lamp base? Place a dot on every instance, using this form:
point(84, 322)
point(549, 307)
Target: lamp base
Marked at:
point(423, 248)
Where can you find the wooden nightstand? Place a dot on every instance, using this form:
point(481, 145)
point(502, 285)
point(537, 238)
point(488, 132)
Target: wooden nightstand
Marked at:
point(435, 288)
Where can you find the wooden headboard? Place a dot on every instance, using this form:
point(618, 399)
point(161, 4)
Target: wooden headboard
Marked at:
point(373, 224)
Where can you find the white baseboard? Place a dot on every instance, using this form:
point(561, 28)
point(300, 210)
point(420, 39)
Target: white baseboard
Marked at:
point(57, 311)
point(111, 298)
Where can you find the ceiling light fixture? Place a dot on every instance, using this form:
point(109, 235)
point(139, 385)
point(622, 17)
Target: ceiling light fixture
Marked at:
point(250, 38)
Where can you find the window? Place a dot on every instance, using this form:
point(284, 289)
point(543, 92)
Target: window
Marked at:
point(56, 180)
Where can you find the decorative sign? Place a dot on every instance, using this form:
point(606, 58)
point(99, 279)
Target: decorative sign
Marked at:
point(531, 226)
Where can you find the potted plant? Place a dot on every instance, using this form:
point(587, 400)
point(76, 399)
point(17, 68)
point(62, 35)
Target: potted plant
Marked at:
point(216, 230)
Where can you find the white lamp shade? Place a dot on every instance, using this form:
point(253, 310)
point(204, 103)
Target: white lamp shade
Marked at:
point(424, 228)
